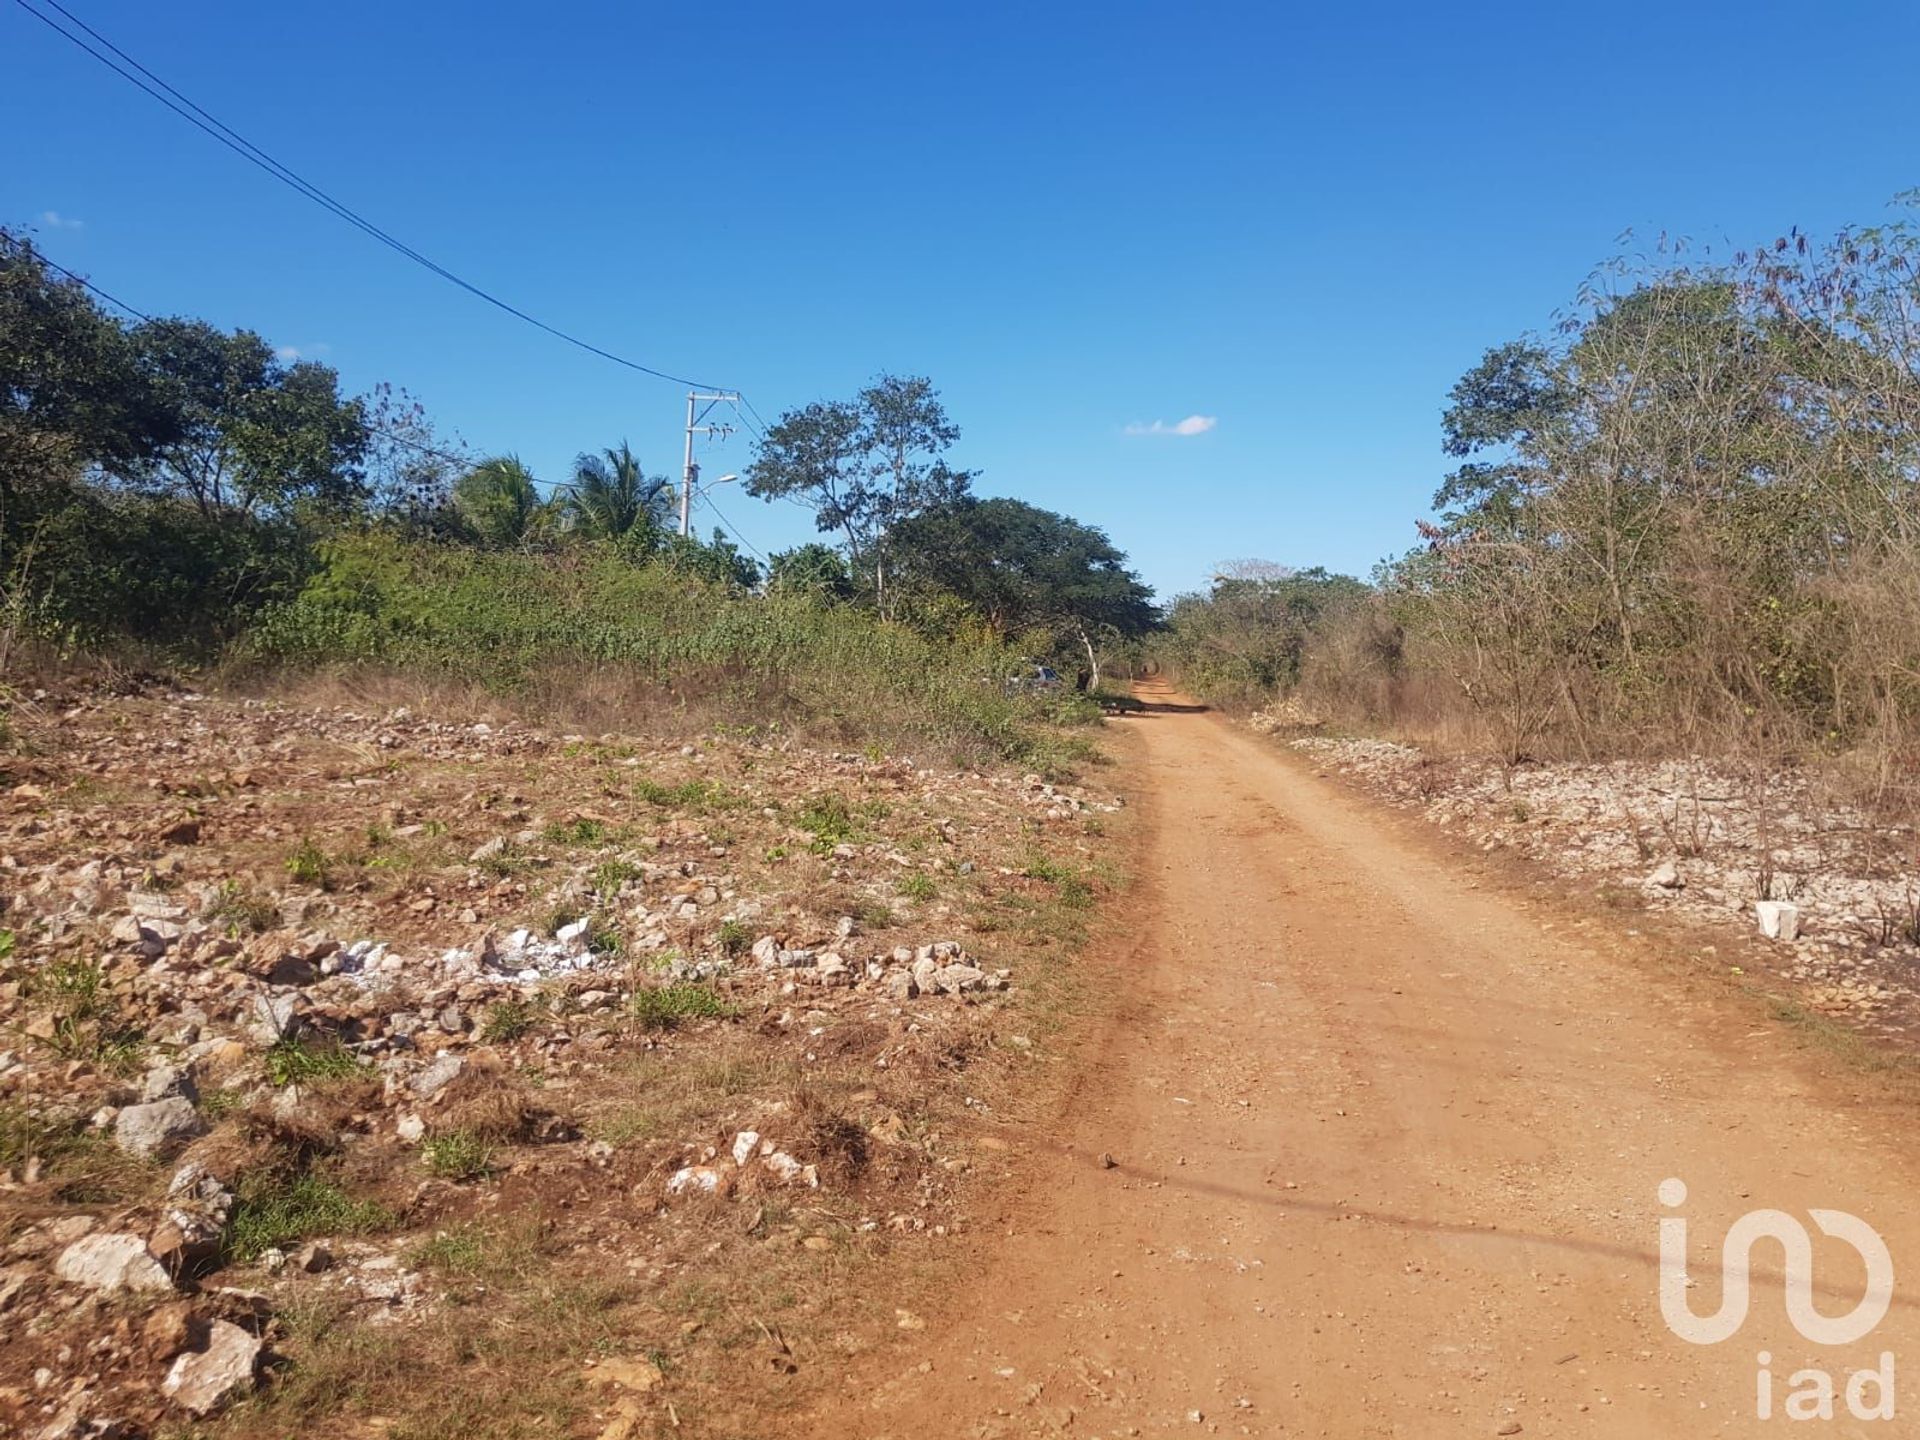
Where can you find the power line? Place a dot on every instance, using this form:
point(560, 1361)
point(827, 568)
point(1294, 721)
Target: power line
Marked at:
point(727, 525)
point(82, 280)
point(201, 119)
point(396, 438)
point(142, 315)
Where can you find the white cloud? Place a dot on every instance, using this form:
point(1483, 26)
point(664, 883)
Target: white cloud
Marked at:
point(54, 220)
point(302, 352)
point(1192, 425)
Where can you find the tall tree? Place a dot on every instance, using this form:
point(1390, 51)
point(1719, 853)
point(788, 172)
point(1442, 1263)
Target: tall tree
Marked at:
point(72, 392)
point(1505, 405)
point(811, 569)
point(864, 465)
point(500, 501)
point(1023, 568)
point(411, 467)
point(257, 435)
point(611, 495)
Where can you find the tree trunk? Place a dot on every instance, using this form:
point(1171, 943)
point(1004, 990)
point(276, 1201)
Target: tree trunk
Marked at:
point(1093, 662)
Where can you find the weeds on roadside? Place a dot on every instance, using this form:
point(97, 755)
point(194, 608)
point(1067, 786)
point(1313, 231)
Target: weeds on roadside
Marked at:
point(456, 1252)
point(829, 820)
point(583, 831)
point(610, 876)
point(310, 865)
point(688, 795)
point(1072, 888)
point(504, 861)
point(86, 1018)
point(272, 1209)
point(1895, 922)
point(666, 1007)
point(507, 1020)
point(457, 1155)
point(25, 1135)
point(918, 885)
point(304, 1062)
point(242, 911)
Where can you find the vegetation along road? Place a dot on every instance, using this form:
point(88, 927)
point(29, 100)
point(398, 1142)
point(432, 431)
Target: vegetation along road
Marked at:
point(1331, 1214)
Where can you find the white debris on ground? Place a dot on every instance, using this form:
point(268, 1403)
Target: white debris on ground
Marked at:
point(1836, 893)
point(211, 909)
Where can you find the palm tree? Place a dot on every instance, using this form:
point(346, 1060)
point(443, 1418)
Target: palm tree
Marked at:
point(611, 495)
point(500, 499)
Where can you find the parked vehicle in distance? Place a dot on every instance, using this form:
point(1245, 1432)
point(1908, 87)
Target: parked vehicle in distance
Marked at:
point(1032, 677)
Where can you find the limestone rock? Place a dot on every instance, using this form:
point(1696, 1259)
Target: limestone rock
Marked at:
point(112, 1262)
point(202, 1380)
point(147, 1130)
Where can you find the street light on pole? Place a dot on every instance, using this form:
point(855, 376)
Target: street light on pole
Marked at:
point(690, 476)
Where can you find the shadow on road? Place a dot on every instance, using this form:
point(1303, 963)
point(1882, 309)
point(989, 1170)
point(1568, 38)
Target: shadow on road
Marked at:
point(1647, 1256)
point(1156, 697)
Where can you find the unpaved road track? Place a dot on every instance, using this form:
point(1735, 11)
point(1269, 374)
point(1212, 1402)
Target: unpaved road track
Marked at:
point(1389, 1150)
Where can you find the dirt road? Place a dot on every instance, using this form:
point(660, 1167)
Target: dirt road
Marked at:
point(1389, 1150)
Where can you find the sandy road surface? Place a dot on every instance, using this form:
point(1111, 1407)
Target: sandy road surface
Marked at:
point(1389, 1153)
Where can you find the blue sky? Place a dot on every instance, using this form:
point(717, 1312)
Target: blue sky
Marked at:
point(1300, 224)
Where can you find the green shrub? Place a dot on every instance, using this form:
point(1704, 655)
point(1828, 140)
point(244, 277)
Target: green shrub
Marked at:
point(302, 1062)
point(668, 1006)
point(829, 819)
point(272, 1209)
point(87, 1023)
point(460, 1251)
point(610, 875)
point(689, 793)
point(507, 1020)
point(243, 911)
point(514, 621)
point(1072, 888)
point(506, 860)
point(583, 831)
point(457, 1155)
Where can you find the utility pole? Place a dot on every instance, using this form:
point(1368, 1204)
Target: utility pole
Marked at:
point(690, 475)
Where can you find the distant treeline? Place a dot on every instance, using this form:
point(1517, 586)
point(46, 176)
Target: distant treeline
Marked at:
point(1688, 518)
point(197, 496)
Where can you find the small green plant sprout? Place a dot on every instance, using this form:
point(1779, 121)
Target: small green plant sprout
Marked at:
point(457, 1155)
point(309, 865)
point(582, 831)
point(242, 911)
point(829, 819)
point(612, 875)
point(918, 885)
point(507, 1020)
point(733, 938)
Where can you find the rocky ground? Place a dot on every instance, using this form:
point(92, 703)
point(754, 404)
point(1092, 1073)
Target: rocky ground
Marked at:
point(431, 1076)
point(1841, 889)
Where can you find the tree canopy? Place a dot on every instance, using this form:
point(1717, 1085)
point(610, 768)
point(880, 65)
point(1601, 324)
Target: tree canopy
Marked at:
point(864, 465)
